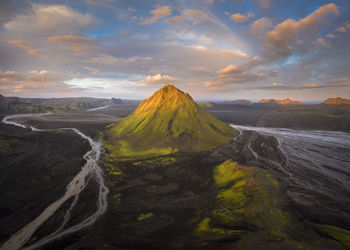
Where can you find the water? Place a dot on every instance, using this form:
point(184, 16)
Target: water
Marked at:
point(73, 189)
point(99, 108)
point(317, 170)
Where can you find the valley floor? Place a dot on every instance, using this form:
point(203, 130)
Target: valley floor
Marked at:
point(229, 198)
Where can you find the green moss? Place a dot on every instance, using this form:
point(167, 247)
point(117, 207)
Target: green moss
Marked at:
point(117, 198)
point(168, 160)
point(337, 233)
point(334, 116)
point(227, 172)
point(251, 200)
point(110, 167)
point(125, 149)
point(4, 143)
point(166, 122)
point(7, 139)
point(206, 104)
point(144, 216)
point(230, 205)
point(158, 160)
point(114, 172)
point(197, 216)
point(203, 227)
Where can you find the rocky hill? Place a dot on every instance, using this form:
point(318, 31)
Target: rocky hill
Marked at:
point(337, 101)
point(167, 122)
point(240, 102)
point(286, 101)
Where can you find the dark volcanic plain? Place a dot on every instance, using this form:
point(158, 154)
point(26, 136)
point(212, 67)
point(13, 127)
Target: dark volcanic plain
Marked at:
point(158, 203)
point(316, 117)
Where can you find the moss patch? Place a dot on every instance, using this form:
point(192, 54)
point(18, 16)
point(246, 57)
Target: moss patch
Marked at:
point(336, 233)
point(249, 199)
point(156, 161)
point(204, 227)
point(7, 139)
point(144, 216)
point(252, 200)
point(123, 149)
point(228, 172)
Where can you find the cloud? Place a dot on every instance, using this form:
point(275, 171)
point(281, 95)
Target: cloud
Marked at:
point(175, 58)
point(33, 83)
point(106, 59)
point(241, 73)
point(241, 18)
point(210, 26)
point(343, 79)
point(7, 10)
point(92, 70)
point(76, 43)
point(209, 1)
point(174, 20)
point(161, 11)
point(158, 79)
point(50, 19)
point(323, 43)
point(198, 16)
point(331, 36)
point(341, 29)
point(291, 35)
point(131, 9)
point(295, 86)
point(104, 3)
point(344, 28)
point(203, 24)
point(239, 68)
point(259, 27)
point(265, 4)
point(29, 48)
point(40, 77)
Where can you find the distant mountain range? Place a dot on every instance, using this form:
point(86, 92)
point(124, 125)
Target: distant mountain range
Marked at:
point(286, 101)
point(9, 105)
point(337, 101)
point(240, 102)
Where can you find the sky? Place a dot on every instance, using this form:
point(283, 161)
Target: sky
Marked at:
point(213, 49)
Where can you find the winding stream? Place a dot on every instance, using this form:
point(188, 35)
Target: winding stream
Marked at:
point(317, 172)
point(318, 164)
point(73, 189)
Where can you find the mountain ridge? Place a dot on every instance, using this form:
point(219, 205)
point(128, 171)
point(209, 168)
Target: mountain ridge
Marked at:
point(167, 122)
point(285, 101)
point(240, 102)
point(336, 101)
point(13, 105)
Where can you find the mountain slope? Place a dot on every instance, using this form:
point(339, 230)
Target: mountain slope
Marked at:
point(337, 101)
point(240, 102)
point(167, 122)
point(286, 101)
point(13, 105)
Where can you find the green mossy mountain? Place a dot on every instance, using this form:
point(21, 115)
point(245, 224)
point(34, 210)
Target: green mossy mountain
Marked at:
point(167, 122)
